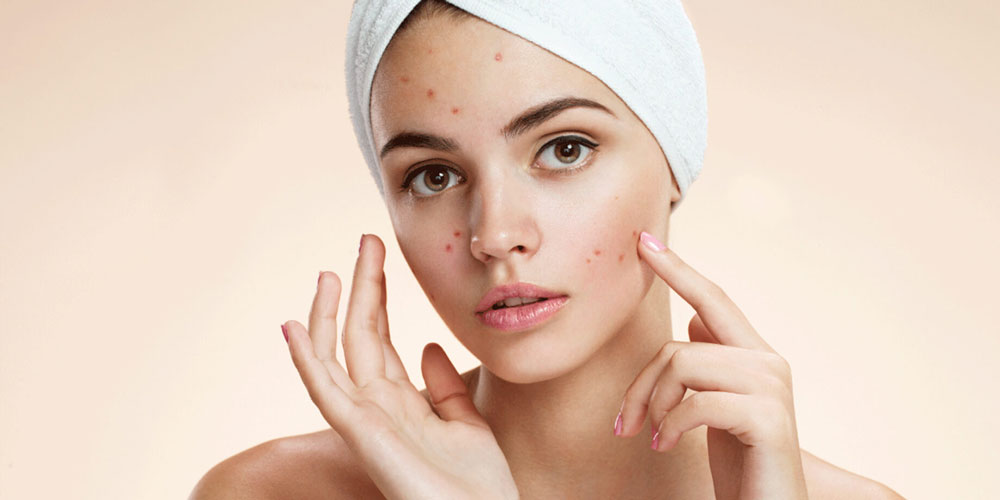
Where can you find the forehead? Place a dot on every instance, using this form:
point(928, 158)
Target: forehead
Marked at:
point(442, 73)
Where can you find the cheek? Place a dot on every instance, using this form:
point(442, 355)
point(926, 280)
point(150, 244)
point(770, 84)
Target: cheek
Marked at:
point(433, 255)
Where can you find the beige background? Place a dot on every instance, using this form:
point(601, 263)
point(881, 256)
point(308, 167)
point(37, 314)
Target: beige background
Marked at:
point(174, 174)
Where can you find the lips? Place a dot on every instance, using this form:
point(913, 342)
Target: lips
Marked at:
point(522, 290)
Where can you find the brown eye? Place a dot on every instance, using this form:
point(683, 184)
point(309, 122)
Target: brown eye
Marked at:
point(566, 154)
point(436, 178)
point(431, 180)
point(567, 151)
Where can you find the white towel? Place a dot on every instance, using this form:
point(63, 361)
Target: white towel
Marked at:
point(643, 50)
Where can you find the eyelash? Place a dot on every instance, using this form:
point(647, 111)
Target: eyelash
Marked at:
point(560, 171)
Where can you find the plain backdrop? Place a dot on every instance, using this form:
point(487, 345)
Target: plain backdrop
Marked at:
point(174, 174)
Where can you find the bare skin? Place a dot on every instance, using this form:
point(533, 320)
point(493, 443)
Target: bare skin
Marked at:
point(540, 410)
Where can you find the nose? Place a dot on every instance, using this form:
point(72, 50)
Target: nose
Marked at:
point(502, 224)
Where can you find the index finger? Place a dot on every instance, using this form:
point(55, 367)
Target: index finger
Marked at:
point(362, 343)
point(719, 313)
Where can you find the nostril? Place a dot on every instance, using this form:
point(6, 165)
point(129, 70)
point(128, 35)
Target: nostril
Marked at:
point(520, 248)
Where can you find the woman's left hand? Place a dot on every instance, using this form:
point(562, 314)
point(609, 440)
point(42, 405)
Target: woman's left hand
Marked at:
point(745, 391)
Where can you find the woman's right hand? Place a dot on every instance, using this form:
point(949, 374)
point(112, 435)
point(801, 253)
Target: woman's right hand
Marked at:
point(408, 450)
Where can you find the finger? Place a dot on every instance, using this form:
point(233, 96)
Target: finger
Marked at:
point(323, 316)
point(679, 366)
point(448, 393)
point(394, 368)
point(329, 397)
point(719, 313)
point(362, 345)
point(698, 332)
point(333, 367)
point(709, 369)
point(737, 414)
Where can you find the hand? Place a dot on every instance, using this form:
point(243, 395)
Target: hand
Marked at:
point(408, 450)
point(745, 389)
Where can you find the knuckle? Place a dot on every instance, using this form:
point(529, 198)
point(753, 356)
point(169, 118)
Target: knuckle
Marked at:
point(683, 358)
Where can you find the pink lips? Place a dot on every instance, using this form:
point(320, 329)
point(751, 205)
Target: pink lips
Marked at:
point(523, 316)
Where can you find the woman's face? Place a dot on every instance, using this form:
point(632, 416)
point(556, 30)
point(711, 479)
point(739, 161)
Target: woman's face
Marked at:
point(556, 200)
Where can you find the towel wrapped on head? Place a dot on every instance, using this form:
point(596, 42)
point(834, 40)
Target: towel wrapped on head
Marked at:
point(645, 51)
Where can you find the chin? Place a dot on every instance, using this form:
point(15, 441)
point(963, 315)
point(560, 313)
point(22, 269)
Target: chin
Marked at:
point(531, 356)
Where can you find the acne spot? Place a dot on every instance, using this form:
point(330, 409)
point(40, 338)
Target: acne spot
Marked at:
point(621, 257)
point(432, 295)
point(616, 197)
point(597, 252)
point(404, 79)
point(458, 233)
point(498, 57)
point(430, 93)
point(588, 261)
point(430, 50)
point(635, 233)
point(454, 111)
point(447, 248)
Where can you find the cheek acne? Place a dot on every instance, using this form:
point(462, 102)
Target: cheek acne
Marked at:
point(447, 248)
point(498, 57)
point(430, 93)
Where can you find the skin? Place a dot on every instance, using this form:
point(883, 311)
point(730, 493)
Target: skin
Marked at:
point(567, 409)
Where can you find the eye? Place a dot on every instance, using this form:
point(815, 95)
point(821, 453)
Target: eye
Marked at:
point(431, 180)
point(567, 153)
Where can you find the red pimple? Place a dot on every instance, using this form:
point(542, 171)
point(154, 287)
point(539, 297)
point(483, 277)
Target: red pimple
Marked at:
point(430, 93)
point(404, 79)
point(498, 57)
point(597, 252)
point(588, 261)
point(635, 233)
point(621, 257)
point(447, 248)
point(454, 111)
point(430, 50)
point(458, 233)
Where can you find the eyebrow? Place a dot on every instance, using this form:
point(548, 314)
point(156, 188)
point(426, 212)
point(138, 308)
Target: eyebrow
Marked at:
point(529, 119)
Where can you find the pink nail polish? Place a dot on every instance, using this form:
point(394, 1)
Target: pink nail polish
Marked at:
point(651, 242)
point(362, 242)
point(284, 331)
point(656, 441)
point(618, 424)
point(319, 278)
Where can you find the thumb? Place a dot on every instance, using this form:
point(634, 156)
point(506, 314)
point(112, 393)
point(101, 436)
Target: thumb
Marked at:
point(449, 396)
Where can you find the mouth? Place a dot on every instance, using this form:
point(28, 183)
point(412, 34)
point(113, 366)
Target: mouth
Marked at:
point(518, 306)
point(515, 295)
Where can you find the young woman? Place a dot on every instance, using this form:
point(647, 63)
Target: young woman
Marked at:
point(533, 206)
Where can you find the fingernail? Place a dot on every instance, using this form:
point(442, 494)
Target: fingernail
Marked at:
point(284, 331)
point(618, 424)
point(362, 242)
point(656, 441)
point(651, 242)
point(319, 278)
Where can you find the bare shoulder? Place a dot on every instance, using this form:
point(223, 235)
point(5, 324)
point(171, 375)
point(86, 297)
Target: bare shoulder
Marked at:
point(826, 481)
point(314, 465)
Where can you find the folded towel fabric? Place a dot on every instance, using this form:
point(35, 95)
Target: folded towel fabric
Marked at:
point(645, 51)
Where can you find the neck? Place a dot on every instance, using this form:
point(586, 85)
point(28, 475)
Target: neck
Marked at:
point(559, 432)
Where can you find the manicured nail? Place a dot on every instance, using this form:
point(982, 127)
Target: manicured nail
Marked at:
point(284, 331)
point(651, 242)
point(656, 441)
point(319, 278)
point(618, 424)
point(362, 242)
